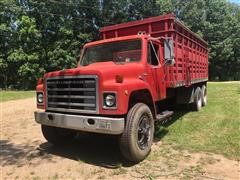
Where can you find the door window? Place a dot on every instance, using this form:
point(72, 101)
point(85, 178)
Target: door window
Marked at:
point(153, 54)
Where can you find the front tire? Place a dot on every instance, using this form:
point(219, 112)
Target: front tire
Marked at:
point(136, 140)
point(58, 136)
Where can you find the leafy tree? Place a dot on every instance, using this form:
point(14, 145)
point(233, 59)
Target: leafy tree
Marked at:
point(9, 12)
point(24, 60)
point(40, 36)
point(216, 21)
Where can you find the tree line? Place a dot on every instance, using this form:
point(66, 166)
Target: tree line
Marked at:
point(41, 36)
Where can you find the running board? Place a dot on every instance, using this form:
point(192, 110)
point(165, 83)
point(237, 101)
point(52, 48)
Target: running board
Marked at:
point(164, 116)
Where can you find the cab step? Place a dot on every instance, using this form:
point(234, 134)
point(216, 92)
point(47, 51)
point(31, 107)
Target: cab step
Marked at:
point(164, 116)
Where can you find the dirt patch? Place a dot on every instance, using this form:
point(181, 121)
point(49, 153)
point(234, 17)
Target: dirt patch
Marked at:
point(25, 154)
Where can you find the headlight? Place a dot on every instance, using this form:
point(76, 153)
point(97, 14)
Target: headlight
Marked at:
point(40, 97)
point(109, 100)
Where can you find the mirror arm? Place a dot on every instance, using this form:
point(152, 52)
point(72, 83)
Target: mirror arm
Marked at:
point(166, 61)
point(160, 38)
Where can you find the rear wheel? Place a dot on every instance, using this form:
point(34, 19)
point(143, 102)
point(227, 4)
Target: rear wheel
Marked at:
point(136, 140)
point(197, 103)
point(58, 136)
point(204, 95)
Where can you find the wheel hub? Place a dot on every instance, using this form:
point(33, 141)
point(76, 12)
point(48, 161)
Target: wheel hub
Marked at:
point(144, 131)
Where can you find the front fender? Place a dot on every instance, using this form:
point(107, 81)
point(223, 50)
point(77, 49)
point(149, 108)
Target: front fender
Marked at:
point(123, 91)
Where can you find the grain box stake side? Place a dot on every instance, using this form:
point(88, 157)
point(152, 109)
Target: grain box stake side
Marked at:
point(121, 82)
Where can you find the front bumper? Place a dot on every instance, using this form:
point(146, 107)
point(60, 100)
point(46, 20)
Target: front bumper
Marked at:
point(95, 124)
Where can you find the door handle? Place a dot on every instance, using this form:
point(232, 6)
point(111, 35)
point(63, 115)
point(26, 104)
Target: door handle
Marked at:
point(143, 76)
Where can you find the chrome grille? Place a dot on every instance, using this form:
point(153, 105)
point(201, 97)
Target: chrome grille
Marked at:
point(72, 94)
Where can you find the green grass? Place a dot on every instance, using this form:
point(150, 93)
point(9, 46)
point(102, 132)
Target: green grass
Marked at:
point(13, 95)
point(216, 128)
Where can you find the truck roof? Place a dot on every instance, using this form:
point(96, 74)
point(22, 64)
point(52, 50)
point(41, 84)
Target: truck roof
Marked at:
point(114, 39)
point(155, 26)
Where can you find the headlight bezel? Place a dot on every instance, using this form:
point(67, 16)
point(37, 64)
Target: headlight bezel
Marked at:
point(42, 97)
point(107, 94)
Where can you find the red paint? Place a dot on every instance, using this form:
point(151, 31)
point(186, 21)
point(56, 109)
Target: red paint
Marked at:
point(191, 62)
point(191, 53)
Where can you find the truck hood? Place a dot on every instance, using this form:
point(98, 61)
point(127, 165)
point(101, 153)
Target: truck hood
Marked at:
point(104, 70)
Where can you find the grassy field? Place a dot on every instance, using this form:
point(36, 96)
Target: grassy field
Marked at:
point(216, 128)
point(13, 95)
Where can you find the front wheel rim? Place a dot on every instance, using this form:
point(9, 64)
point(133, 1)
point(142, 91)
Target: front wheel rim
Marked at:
point(144, 132)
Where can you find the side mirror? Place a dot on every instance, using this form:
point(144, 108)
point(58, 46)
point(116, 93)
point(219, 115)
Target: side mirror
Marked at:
point(169, 52)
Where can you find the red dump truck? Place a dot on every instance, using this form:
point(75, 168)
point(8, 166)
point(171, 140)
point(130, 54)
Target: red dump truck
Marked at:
point(121, 82)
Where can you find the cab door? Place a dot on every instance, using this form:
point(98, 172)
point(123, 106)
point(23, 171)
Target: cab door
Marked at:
point(155, 64)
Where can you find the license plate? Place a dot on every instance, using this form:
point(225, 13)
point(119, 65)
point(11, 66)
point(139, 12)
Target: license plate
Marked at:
point(104, 125)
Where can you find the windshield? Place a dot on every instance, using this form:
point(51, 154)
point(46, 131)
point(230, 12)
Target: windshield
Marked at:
point(118, 52)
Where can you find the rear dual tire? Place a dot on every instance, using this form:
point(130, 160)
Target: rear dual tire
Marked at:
point(197, 102)
point(200, 98)
point(204, 95)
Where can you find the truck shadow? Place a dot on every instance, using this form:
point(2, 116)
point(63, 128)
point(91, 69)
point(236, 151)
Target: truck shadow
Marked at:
point(100, 150)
